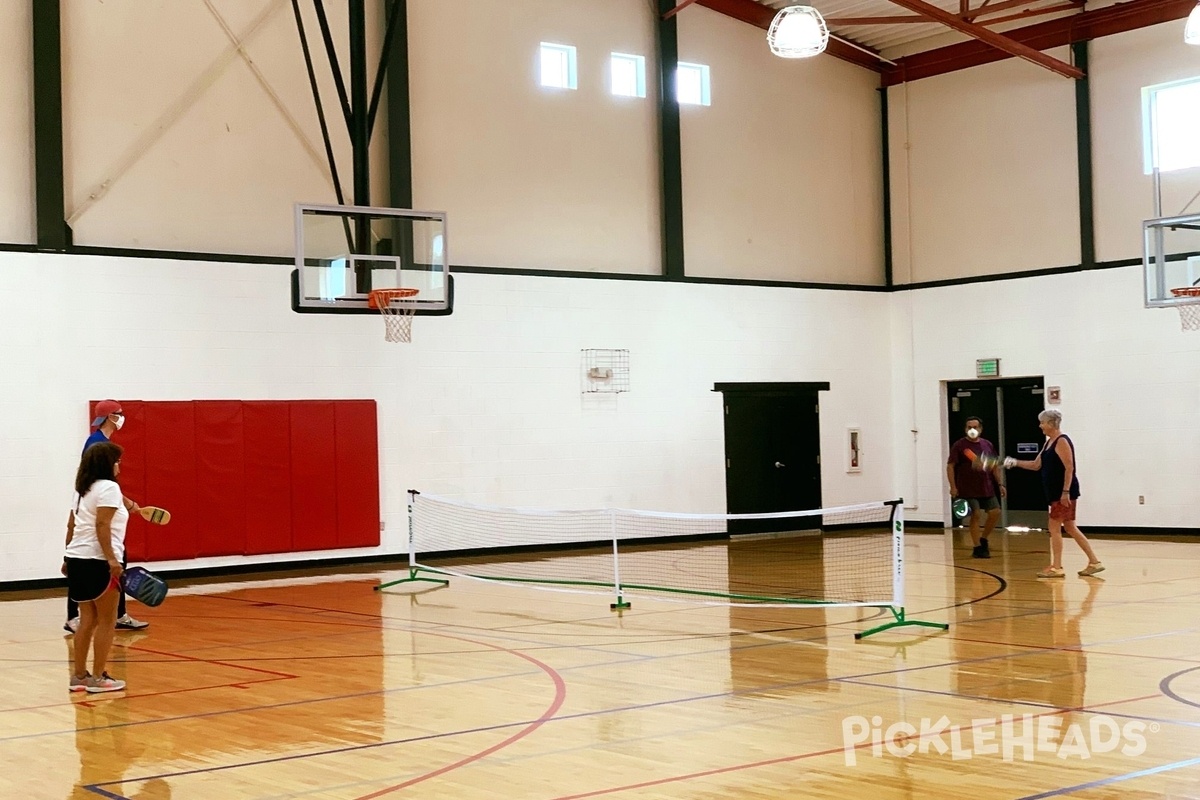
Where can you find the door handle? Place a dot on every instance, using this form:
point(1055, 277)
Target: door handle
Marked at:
point(779, 466)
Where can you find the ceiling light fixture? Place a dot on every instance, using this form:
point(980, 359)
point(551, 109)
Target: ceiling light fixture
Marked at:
point(799, 32)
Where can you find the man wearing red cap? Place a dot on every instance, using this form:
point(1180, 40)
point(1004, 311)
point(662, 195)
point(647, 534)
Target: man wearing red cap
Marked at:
point(108, 420)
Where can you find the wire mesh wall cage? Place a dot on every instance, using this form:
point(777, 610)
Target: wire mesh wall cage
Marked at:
point(605, 371)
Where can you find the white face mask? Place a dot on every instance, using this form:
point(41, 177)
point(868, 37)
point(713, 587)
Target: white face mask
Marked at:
point(120, 421)
point(972, 433)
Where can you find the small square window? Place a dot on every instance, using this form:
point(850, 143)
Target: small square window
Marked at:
point(628, 75)
point(558, 66)
point(692, 85)
point(1171, 125)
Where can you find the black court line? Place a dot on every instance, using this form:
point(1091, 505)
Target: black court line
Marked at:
point(1115, 779)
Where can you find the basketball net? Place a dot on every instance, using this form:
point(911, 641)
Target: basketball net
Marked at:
point(1189, 317)
point(397, 318)
point(1189, 313)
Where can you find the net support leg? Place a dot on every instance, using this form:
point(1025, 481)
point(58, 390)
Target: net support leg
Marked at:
point(414, 572)
point(413, 577)
point(900, 621)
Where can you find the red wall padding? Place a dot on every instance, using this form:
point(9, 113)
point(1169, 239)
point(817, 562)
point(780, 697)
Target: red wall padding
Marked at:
point(268, 443)
point(171, 479)
point(314, 486)
point(221, 478)
point(357, 477)
point(251, 477)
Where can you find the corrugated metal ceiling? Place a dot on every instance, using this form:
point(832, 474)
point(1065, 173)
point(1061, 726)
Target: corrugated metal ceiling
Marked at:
point(888, 36)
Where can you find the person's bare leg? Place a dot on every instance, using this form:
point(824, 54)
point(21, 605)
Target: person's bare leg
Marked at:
point(106, 620)
point(1082, 541)
point(1056, 543)
point(974, 528)
point(83, 638)
point(993, 517)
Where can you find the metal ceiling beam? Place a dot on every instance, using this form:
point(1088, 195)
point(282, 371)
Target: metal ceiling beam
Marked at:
point(1032, 12)
point(974, 14)
point(876, 20)
point(1044, 35)
point(996, 40)
point(995, 8)
point(682, 5)
point(760, 16)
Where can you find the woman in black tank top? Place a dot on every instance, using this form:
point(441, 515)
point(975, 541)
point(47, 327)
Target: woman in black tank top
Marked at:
point(1060, 482)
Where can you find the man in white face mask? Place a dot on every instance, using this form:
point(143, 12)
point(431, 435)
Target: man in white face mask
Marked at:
point(976, 486)
point(108, 420)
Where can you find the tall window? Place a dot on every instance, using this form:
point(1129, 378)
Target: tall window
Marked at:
point(558, 66)
point(1171, 125)
point(692, 84)
point(628, 75)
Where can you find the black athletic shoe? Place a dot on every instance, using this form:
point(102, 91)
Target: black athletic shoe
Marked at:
point(983, 544)
point(979, 552)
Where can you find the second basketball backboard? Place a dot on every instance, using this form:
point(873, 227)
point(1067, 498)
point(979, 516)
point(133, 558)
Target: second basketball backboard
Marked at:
point(1171, 259)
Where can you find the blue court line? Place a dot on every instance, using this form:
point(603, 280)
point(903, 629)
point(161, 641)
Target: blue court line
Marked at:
point(630, 659)
point(1164, 686)
point(1010, 701)
point(1115, 779)
point(583, 714)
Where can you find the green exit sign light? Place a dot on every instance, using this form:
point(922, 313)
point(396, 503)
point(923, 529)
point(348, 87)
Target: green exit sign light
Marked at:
point(987, 368)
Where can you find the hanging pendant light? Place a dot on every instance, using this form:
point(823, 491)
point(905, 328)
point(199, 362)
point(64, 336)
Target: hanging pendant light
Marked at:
point(1191, 33)
point(798, 32)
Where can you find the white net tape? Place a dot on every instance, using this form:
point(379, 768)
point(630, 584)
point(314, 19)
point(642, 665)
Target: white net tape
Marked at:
point(832, 556)
point(1189, 316)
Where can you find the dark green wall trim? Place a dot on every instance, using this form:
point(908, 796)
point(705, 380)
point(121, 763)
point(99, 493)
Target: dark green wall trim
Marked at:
point(670, 147)
point(176, 255)
point(1033, 273)
point(266, 569)
point(183, 255)
point(632, 276)
point(1083, 146)
point(887, 186)
point(399, 113)
point(52, 231)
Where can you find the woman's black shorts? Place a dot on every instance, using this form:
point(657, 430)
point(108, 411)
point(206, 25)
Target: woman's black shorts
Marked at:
point(87, 578)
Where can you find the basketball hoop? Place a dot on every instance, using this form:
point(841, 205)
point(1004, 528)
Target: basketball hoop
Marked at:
point(1189, 312)
point(397, 318)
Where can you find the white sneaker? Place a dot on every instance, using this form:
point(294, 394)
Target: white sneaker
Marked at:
point(71, 625)
point(105, 683)
point(128, 623)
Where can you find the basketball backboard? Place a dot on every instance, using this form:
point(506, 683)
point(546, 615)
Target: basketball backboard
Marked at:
point(343, 252)
point(1171, 259)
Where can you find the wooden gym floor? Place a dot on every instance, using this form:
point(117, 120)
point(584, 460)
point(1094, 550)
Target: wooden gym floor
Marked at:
point(317, 687)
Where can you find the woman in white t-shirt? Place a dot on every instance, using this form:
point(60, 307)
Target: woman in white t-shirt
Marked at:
point(92, 563)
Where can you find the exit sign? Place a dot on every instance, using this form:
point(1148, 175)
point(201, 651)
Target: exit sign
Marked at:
point(987, 368)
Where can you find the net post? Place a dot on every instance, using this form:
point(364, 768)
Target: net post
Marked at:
point(900, 620)
point(898, 554)
point(621, 603)
point(412, 539)
point(414, 571)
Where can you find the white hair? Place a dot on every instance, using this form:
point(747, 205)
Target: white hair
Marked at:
point(1051, 415)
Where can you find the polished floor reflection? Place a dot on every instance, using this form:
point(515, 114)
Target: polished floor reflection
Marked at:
point(314, 686)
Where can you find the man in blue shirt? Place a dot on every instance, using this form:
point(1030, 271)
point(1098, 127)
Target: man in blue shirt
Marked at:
point(109, 419)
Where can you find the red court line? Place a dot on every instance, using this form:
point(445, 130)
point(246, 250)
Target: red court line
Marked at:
point(801, 756)
point(213, 661)
point(560, 695)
